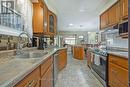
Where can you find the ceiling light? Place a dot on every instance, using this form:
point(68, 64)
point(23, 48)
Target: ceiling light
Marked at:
point(82, 10)
point(71, 24)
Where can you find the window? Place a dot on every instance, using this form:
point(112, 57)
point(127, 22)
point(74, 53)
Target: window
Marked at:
point(70, 41)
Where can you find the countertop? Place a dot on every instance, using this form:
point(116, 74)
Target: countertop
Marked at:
point(123, 54)
point(16, 69)
point(119, 53)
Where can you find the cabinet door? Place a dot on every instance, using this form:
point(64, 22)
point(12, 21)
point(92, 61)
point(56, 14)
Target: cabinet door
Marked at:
point(118, 75)
point(31, 80)
point(124, 9)
point(45, 12)
point(62, 59)
point(47, 79)
point(80, 53)
point(37, 18)
point(113, 14)
point(104, 20)
point(52, 23)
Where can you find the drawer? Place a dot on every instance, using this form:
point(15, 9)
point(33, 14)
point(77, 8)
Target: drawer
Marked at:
point(113, 82)
point(119, 73)
point(62, 51)
point(123, 62)
point(45, 65)
point(31, 80)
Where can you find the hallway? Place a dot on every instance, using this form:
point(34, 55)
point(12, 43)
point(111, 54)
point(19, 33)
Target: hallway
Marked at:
point(77, 74)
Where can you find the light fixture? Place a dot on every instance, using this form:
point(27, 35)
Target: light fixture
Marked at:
point(71, 24)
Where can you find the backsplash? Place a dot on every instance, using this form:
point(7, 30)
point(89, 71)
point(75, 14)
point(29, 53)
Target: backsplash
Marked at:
point(10, 42)
point(113, 40)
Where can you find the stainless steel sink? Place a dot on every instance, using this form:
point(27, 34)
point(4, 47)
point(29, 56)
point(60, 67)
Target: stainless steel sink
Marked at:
point(31, 55)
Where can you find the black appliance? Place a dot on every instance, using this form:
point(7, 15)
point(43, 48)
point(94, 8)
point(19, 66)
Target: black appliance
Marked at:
point(99, 66)
point(123, 28)
point(42, 43)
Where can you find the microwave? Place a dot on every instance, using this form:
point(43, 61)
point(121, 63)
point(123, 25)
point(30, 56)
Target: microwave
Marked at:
point(123, 28)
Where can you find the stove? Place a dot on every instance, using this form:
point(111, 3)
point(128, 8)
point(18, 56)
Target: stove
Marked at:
point(99, 65)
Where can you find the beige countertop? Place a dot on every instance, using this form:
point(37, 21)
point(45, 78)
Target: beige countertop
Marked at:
point(119, 53)
point(123, 54)
point(16, 69)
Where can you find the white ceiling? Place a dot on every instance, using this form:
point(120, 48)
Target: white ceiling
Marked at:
point(79, 15)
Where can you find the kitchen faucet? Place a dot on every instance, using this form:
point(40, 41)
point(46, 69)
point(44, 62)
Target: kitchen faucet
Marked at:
point(20, 43)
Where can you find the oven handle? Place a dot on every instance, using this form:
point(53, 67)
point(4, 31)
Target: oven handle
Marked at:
point(103, 57)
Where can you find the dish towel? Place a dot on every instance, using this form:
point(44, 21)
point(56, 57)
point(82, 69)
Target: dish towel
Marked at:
point(96, 59)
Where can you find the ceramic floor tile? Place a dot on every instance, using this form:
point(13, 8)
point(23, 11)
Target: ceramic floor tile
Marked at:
point(77, 74)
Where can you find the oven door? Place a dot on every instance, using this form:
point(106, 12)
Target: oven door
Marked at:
point(99, 65)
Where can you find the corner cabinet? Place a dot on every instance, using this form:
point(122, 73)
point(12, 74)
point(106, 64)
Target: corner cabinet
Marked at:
point(52, 22)
point(37, 18)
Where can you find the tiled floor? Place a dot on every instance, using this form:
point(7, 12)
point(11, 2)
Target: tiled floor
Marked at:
point(77, 74)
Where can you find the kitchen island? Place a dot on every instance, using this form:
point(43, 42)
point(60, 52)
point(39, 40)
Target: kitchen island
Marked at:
point(13, 71)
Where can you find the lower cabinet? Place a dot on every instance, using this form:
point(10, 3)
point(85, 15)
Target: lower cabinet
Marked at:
point(31, 80)
point(117, 72)
point(40, 77)
point(47, 79)
point(62, 59)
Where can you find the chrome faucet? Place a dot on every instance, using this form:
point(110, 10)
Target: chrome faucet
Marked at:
point(20, 43)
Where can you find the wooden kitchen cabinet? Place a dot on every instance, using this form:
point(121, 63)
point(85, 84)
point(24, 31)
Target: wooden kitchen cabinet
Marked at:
point(38, 18)
point(114, 14)
point(45, 65)
point(124, 9)
point(52, 22)
point(40, 77)
point(31, 80)
point(62, 59)
point(104, 20)
point(117, 71)
point(45, 13)
point(78, 52)
point(117, 13)
point(47, 73)
point(47, 78)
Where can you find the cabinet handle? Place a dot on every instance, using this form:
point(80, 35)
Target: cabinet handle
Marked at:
point(114, 72)
point(31, 84)
point(113, 61)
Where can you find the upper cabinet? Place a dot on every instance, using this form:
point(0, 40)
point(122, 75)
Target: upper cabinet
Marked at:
point(45, 12)
point(103, 20)
point(37, 18)
point(52, 23)
point(115, 14)
point(124, 9)
point(44, 21)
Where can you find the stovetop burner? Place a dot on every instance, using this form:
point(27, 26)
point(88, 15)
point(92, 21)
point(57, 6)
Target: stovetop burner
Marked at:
point(102, 52)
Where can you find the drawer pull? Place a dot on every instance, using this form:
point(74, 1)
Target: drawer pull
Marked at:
point(31, 84)
point(114, 72)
